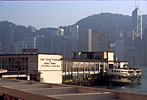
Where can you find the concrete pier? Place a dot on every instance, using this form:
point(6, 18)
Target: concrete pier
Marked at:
point(31, 90)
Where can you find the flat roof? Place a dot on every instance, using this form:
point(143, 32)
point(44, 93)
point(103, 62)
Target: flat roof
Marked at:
point(95, 52)
point(27, 54)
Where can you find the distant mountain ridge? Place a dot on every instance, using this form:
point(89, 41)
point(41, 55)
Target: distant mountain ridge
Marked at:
point(102, 19)
point(104, 22)
point(109, 23)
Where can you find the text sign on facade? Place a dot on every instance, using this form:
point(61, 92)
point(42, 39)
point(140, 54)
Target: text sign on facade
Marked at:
point(49, 62)
point(52, 62)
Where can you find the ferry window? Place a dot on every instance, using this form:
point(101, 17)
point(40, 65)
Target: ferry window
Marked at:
point(96, 57)
point(124, 77)
point(130, 71)
point(110, 66)
point(97, 67)
point(9, 59)
point(81, 69)
point(92, 69)
point(138, 71)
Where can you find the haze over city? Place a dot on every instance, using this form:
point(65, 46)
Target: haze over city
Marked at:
point(53, 14)
point(86, 43)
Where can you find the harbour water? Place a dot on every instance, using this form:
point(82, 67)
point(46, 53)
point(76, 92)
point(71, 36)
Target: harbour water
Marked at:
point(137, 88)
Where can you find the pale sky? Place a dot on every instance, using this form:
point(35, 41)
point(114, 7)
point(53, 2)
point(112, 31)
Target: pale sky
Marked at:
point(42, 14)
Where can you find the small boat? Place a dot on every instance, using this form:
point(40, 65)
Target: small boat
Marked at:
point(123, 76)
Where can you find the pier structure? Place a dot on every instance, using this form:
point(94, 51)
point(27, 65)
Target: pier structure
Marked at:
point(88, 68)
point(83, 71)
point(85, 68)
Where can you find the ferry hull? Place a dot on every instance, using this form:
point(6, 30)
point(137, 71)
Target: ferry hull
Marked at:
point(119, 82)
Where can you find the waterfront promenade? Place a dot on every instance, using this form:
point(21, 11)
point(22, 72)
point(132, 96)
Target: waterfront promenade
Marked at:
point(30, 90)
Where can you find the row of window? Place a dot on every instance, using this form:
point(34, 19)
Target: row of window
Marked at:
point(14, 64)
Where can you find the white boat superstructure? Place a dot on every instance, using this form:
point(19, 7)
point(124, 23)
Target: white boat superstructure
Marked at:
point(124, 75)
point(124, 71)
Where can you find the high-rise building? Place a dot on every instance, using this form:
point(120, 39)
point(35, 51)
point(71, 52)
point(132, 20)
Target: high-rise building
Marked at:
point(120, 48)
point(40, 43)
point(55, 41)
point(61, 32)
point(32, 29)
point(20, 46)
point(89, 40)
point(104, 42)
point(145, 46)
point(14, 48)
point(29, 42)
point(137, 27)
point(65, 47)
point(137, 35)
point(74, 32)
point(93, 41)
point(1, 52)
point(73, 40)
point(8, 39)
point(133, 57)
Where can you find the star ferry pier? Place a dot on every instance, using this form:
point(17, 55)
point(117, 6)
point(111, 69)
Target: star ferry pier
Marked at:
point(84, 69)
point(98, 68)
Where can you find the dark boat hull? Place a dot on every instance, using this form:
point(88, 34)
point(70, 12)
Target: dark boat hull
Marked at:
point(122, 83)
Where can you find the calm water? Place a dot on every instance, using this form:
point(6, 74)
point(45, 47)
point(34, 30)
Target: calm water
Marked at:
point(140, 88)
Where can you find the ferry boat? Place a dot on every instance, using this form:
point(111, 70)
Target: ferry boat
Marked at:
point(123, 76)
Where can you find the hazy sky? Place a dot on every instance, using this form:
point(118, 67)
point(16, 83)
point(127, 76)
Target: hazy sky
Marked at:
point(42, 14)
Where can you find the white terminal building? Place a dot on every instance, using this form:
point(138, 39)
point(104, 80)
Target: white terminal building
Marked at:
point(37, 67)
point(51, 68)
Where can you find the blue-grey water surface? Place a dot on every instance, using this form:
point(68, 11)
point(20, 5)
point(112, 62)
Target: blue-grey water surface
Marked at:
point(139, 88)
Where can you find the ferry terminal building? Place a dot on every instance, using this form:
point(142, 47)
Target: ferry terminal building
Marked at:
point(53, 68)
point(37, 67)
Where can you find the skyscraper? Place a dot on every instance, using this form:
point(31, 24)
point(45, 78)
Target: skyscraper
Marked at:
point(93, 41)
point(8, 39)
point(120, 48)
point(145, 46)
point(137, 27)
point(55, 41)
point(40, 43)
point(30, 42)
point(89, 40)
point(137, 35)
point(73, 39)
point(74, 32)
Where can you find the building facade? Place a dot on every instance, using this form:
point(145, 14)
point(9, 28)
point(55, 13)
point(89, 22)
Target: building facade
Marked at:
point(38, 67)
point(29, 42)
point(40, 43)
point(120, 49)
